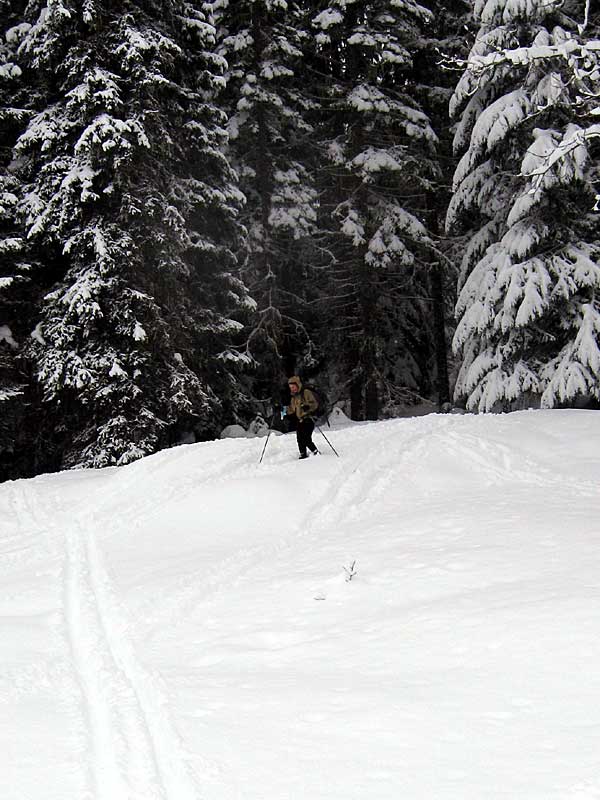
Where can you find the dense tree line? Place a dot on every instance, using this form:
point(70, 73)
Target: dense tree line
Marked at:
point(198, 198)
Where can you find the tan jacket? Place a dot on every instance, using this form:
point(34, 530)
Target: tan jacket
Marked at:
point(304, 403)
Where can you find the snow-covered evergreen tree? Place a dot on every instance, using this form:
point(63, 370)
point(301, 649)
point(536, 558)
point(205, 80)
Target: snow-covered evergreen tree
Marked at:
point(381, 159)
point(16, 265)
point(130, 198)
point(526, 188)
point(273, 148)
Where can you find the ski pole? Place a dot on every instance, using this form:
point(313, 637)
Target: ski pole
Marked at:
point(268, 436)
point(327, 440)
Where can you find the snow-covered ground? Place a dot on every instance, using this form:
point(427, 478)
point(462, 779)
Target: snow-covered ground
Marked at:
point(191, 626)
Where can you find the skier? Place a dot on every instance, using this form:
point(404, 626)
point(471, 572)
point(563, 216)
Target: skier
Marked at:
point(302, 405)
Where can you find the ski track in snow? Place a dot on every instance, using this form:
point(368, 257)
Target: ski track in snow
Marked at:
point(134, 751)
point(338, 501)
point(469, 448)
point(171, 608)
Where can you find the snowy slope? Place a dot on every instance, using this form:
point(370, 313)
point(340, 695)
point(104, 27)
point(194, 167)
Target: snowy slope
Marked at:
point(185, 628)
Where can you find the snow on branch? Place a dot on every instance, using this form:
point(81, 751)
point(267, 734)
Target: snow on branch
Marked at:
point(573, 147)
point(560, 47)
point(586, 17)
point(507, 11)
point(502, 116)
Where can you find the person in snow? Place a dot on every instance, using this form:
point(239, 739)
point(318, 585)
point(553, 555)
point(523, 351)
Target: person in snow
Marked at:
point(302, 405)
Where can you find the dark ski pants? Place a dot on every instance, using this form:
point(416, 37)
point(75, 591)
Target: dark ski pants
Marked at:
point(304, 432)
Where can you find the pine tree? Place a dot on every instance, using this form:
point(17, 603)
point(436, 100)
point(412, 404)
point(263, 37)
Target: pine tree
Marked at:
point(16, 262)
point(272, 146)
point(525, 189)
point(131, 200)
point(380, 149)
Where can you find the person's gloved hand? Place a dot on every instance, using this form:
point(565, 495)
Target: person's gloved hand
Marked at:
point(305, 407)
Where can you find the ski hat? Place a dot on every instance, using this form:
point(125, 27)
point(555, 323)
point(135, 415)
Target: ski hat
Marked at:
point(295, 379)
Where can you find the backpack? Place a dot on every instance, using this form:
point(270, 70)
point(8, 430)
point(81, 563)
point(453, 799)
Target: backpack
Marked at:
point(321, 398)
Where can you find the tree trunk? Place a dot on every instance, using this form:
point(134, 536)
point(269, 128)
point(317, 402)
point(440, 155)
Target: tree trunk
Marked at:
point(439, 331)
point(372, 399)
point(356, 398)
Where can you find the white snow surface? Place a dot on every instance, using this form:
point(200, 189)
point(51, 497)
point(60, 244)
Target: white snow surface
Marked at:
point(185, 627)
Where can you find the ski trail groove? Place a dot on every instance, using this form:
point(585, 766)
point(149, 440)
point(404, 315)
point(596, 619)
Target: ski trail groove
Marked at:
point(339, 498)
point(201, 587)
point(501, 463)
point(135, 754)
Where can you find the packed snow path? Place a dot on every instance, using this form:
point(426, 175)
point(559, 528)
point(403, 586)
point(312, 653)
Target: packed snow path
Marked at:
point(419, 618)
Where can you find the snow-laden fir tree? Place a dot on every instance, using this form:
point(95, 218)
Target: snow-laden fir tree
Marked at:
point(135, 208)
point(380, 150)
point(526, 190)
point(272, 146)
point(16, 265)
